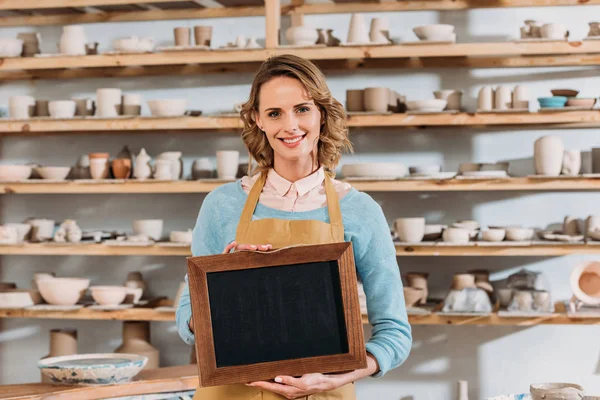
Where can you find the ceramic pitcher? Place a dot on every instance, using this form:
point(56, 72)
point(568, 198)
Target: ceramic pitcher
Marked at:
point(72, 40)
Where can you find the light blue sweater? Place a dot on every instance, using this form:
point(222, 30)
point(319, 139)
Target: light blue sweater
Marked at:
point(374, 254)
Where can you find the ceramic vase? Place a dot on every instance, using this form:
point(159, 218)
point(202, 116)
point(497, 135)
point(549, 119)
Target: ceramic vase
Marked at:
point(21, 107)
point(108, 103)
point(63, 342)
point(452, 97)
point(202, 35)
point(227, 164)
point(142, 168)
point(202, 168)
point(503, 98)
point(418, 280)
point(571, 163)
point(355, 100)
point(485, 99)
point(520, 97)
point(99, 168)
point(72, 40)
point(410, 230)
point(376, 99)
point(357, 32)
point(548, 153)
point(136, 340)
point(182, 36)
point(462, 390)
point(380, 31)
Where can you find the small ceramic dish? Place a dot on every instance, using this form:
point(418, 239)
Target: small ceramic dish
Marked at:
point(14, 173)
point(54, 173)
point(575, 102)
point(432, 105)
point(552, 102)
point(435, 32)
point(564, 92)
point(519, 234)
point(493, 235)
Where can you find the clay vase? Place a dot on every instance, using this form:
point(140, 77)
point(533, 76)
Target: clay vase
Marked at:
point(571, 163)
point(503, 98)
point(463, 281)
point(355, 100)
point(462, 390)
point(182, 36)
point(121, 168)
point(376, 99)
point(548, 154)
point(72, 40)
point(418, 280)
point(136, 340)
point(358, 32)
point(485, 99)
point(63, 342)
point(410, 230)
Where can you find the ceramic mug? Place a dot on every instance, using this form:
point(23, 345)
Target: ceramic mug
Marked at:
point(227, 164)
point(485, 99)
point(376, 99)
point(202, 35)
point(132, 104)
point(84, 106)
point(61, 109)
point(410, 230)
point(182, 36)
point(108, 102)
point(503, 98)
point(99, 168)
point(520, 97)
point(21, 107)
point(355, 100)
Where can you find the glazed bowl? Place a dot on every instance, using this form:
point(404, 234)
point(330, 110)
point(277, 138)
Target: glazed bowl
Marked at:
point(62, 108)
point(167, 108)
point(14, 173)
point(62, 291)
point(552, 102)
point(564, 92)
point(11, 47)
point(519, 234)
point(575, 102)
point(435, 32)
point(383, 169)
point(55, 173)
point(431, 105)
point(148, 227)
point(108, 295)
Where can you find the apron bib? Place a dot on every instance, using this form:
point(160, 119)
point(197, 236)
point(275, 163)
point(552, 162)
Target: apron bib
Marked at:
point(281, 233)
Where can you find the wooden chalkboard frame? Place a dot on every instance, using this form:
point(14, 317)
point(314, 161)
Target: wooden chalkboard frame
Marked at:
point(211, 375)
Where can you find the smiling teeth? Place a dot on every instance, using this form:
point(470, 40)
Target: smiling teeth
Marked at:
point(292, 140)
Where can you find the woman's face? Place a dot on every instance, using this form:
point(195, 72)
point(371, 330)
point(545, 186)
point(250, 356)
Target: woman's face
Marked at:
point(290, 119)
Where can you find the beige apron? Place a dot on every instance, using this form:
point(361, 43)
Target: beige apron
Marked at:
point(280, 233)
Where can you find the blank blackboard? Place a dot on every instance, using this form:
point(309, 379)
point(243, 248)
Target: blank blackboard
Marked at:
point(277, 313)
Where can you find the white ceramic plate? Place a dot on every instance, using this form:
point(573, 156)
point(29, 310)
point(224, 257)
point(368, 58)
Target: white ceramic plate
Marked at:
point(182, 48)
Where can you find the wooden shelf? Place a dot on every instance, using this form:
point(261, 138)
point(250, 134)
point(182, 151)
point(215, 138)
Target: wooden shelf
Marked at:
point(500, 54)
point(562, 119)
point(91, 250)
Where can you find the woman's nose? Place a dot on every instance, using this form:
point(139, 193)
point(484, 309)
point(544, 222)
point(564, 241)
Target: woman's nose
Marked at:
point(291, 124)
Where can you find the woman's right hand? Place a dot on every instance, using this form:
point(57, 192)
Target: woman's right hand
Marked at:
point(251, 247)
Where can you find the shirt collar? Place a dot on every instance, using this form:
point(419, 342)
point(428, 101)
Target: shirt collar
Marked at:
point(303, 186)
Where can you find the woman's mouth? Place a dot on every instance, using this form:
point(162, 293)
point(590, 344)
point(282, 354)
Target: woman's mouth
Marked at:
point(293, 141)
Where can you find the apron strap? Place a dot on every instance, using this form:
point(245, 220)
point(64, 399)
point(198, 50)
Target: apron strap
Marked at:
point(250, 204)
point(335, 213)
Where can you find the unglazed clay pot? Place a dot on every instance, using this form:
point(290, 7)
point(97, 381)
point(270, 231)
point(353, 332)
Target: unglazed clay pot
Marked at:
point(463, 281)
point(136, 340)
point(355, 99)
point(380, 31)
point(503, 98)
point(63, 342)
point(485, 99)
point(520, 97)
point(556, 391)
point(410, 230)
point(202, 35)
point(202, 168)
point(457, 235)
point(302, 36)
point(376, 99)
point(358, 32)
point(412, 296)
point(572, 226)
point(182, 36)
point(585, 283)
point(418, 280)
point(571, 163)
point(548, 155)
point(108, 103)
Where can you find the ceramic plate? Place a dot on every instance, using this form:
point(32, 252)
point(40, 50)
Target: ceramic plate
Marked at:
point(509, 111)
point(92, 369)
point(433, 112)
point(564, 109)
point(351, 113)
point(182, 48)
point(50, 307)
point(125, 243)
point(301, 46)
point(425, 42)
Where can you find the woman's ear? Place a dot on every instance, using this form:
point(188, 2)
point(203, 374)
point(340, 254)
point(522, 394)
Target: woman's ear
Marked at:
point(256, 118)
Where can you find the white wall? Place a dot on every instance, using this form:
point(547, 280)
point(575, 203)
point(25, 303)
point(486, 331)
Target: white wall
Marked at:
point(494, 360)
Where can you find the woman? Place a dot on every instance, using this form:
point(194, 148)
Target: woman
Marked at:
point(296, 131)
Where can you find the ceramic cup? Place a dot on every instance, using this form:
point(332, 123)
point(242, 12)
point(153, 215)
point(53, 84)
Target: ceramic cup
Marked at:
point(504, 297)
point(554, 31)
point(41, 108)
point(84, 106)
point(596, 160)
point(592, 223)
point(202, 35)
point(380, 31)
point(99, 168)
point(149, 227)
point(355, 100)
point(41, 229)
point(202, 168)
point(182, 36)
point(132, 104)
point(548, 154)
point(571, 163)
point(485, 99)
point(376, 99)
point(357, 32)
point(108, 103)
point(572, 226)
point(520, 97)
point(463, 281)
point(456, 235)
point(452, 97)
point(227, 164)
point(523, 300)
point(62, 109)
point(503, 98)
point(410, 230)
point(21, 107)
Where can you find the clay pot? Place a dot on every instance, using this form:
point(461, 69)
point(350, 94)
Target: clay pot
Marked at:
point(556, 391)
point(410, 230)
point(99, 168)
point(503, 98)
point(571, 163)
point(302, 36)
point(41, 108)
point(355, 99)
point(21, 107)
point(504, 297)
point(136, 340)
point(132, 104)
point(357, 32)
point(72, 40)
point(463, 281)
point(412, 296)
point(202, 35)
point(452, 97)
point(548, 153)
point(202, 168)
point(596, 160)
point(121, 168)
point(592, 223)
point(485, 99)
point(572, 226)
point(520, 97)
point(182, 36)
point(376, 99)
point(63, 342)
point(554, 31)
point(585, 283)
point(418, 280)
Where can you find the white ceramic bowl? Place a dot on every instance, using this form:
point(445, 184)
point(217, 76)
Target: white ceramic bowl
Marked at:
point(493, 235)
point(519, 234)
point(168, 108)
point(62, 291)
point(134, 44)
point(11, 47)
point(456, 235)
point(431, 105)
point(435, 32)
point(62, 109)
point(13, 173)
point(181, 236)
point(425, 169)
point(108, 295)
point(22, 230)
point(434, 232)
point(149, 227)
point(386, 170)
point(56, 173)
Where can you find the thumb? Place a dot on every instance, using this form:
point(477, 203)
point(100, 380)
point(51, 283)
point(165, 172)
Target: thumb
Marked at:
point(288, 380)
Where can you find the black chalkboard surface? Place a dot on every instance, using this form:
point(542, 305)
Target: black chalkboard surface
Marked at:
point(286, 312)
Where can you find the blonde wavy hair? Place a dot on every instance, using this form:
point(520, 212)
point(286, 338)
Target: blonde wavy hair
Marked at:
point(333, 139)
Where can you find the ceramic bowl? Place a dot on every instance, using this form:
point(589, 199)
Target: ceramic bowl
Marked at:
point(564, 92)
point(62, 291)
point(181, 236)
point(108, 295)
point(434, 232)
point(411, 230)
point(425, 169)
point(434, 32)
point(431, 105)
point(457, 235)
point(19, 298)
point(134, 44)
point(493, 235)
point(10, 47)
point(369, 170)
point(56, 173)
point(22, 230)
point(552, 102)
point(519, 234)
point(168, 108)
point(575, 102)
point(62, 108)
point(13, 173)
point(148, 227)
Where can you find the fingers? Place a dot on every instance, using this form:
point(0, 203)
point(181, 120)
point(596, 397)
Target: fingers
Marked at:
point(254, 247)
point(289, 392)
point(229, 247)
point(291, 381)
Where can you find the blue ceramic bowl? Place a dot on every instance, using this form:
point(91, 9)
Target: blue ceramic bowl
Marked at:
point(552, 102)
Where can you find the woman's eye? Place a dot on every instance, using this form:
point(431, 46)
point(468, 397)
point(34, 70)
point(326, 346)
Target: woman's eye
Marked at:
point(303, 109)
point(274, 114)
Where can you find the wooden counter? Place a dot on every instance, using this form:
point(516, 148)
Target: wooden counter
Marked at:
point(161, 380)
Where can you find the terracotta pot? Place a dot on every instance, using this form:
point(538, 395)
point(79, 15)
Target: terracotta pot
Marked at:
point(585, 283)
point(63, 342)
point(412, 296)
point(182, 36)
point(355, 99)
point(202, 35)
point(463, 281)
point(548, 154)
point(418, 280)
point(121, 168)
point(136, 340)
point(376, 99)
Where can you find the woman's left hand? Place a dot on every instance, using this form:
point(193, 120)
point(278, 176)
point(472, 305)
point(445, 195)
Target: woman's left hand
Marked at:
point(308, 384)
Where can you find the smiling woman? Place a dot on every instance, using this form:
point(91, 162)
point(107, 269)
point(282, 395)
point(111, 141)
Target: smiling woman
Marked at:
point(296, 132)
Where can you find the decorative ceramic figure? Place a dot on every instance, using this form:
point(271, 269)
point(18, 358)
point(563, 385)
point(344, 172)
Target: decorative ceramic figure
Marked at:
point(202, 168)
point(410, 230)
point(63, 342)
point(418, 280)
point(136, 340)
point(301, 36)
point(503, 98)
point(72, 40)
point(548, 154)
point(485, 100)
point(357, 32)
point(142, 169)
point(571, 163)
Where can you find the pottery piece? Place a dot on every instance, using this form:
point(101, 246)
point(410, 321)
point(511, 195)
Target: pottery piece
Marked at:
point(252, 43)
point(596, 160)
point(301, 36)
point(91, 49)
point(121, 168)
point(108, 103)
point(380, 31)
point(485, 99)
point(8, 235)
point(202, 168)
point(432, 105)
point(136, 340)
point(504, 297)
point(412, 296)
point(522, 301)
point(357, 32)
point(62, 109)
point(81, 170)
point(433, 232)
point(467, 300)
point(574, 102)
point(162, 170)
point(371, 170)
point(585, 283)
point(22, 230)
point(418, 280)
point(493, 235)
point(532, 29)
point(542, 301)
point(132, 104)
point(19, 298)
point(552, 102)
point(425, 169)
point(99, 168)
point(410, 230)
point(167, 107)
point(175, 163)
point(548, 155)
point(41, 108)
point(108, 295)
point(503, 98)
point(181, 236)
point(556, 391)
point(471, 226)
point(376, 99)
point(10, 47)
point(571, 163)
point(68, 231)
point(202, 35)
point(519, 234)
point(39, 276)
point(463, 281)
point(437, 32)
point(520, 97)
point(15, 173)
point(142, 169)
point(564, 92)
point(41, 229)
point(62, 291)
point(594, 29)
point(452, 97)
point(135, 281)
point(182, 36)
point(134, 44)
point(148, 227)
point(456, 235)
point(572, 226)
point(54, 173)
point(63, 342)
point(31, 43)
point(462, 392)
point(355, 100)
point(592, 223)
point(525, 280)
point(554, 31)
point(21, 107)
point(332, 40)
point(227, 164)
point(84, 107)
point(72, 40)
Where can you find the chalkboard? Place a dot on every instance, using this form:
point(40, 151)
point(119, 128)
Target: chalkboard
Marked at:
point(286, 312)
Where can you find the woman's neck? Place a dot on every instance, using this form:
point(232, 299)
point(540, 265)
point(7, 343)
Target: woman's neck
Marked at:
point(295, 170)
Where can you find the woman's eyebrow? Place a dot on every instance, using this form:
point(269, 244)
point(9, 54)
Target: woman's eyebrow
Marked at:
point(297, 105)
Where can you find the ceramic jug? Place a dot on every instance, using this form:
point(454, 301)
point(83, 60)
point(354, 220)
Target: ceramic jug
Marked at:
point(162, 170)
point(142, 168)
point(548, 153)
point(72, 40)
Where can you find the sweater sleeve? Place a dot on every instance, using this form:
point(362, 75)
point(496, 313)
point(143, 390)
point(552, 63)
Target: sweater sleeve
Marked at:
point(377, 267)
point(206, 240)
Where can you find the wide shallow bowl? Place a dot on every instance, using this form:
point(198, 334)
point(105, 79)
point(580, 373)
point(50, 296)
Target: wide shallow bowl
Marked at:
point(13, 173)
point(10, 47)
point(431, 105)
point(92, 369)
point(552, 102)
point(575, 102)
point(57, 173)
point(108, 295)
point(387, 170)
point(434, 32)
point(62, 291)
point(519, 234)
point(167, 108)
point(564, 92)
